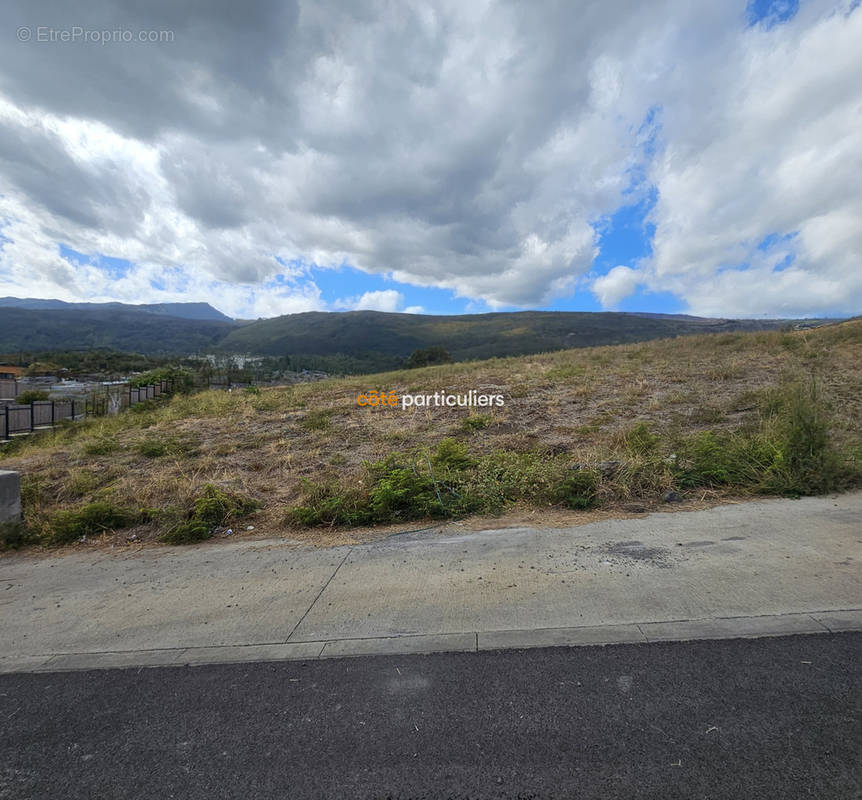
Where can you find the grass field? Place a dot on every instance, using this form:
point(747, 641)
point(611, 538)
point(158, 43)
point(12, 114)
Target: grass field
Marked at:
point(583, 433)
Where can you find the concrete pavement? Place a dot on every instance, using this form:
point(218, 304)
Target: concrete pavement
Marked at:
point(764, 568)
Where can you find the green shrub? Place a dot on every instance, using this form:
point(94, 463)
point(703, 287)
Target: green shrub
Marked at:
point(428, 357)
point(182, 378)
point(506, 476)
point(15, 534)
point(31, 396)
point(579, 489)
point(402, 492)
point(399, 487)
point(805, 462)
point(212, 508)
point(640, 440)
point(452, 455)
point(186, 532)
point(330, 504)
point(215, 507)
point(448, 482)
point(88, 520)
point(790, 453)
point(710, 459)
point(477, 422)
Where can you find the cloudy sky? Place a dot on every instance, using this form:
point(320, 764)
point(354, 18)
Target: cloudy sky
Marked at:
point(273, 157)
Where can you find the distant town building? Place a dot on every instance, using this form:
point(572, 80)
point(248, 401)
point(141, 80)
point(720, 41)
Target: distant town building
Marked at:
point(8, 371)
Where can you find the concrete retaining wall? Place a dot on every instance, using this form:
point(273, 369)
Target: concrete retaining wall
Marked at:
point(10, 495)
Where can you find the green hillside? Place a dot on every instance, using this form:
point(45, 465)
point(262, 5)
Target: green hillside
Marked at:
point(339, 342)
point(112, 329)
point(382, 338)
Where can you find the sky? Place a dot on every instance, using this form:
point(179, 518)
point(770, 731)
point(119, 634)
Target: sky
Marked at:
point(272, 157)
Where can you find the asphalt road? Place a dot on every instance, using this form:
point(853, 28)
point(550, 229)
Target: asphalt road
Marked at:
point(764, 718)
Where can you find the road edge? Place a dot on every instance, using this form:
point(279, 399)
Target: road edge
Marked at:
point(800, 623)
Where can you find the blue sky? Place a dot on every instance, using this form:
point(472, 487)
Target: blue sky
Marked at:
point(623, 237)
point(440, 158)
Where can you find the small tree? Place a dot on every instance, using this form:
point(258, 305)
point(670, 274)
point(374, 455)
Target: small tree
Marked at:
point(30, 396)
point(428, 357)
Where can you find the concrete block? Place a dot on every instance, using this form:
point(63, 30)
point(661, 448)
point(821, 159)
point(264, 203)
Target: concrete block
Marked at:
point(10, 495)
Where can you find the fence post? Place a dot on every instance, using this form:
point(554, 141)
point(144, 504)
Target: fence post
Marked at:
point(73, 408)
point(6, 422)
point(53, 419)
point(31, 416)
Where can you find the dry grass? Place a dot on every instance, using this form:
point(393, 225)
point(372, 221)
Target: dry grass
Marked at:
point(577, 402)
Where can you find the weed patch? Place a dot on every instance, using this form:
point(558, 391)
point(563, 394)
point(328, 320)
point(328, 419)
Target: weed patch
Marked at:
point(89, 520)
point(640, 440)
point(805, 460)
point(579, 489)
point(447, 482)
point(15, 534)
point(81, 482)
point(101, 446)
point(212, 508)
point(452, 455)
point(156, 447)
point(477, 422)
point(712, 459)
point(318, 419)
point(790, 453)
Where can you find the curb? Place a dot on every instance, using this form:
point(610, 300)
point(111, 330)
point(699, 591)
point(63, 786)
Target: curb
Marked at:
point(835, 621)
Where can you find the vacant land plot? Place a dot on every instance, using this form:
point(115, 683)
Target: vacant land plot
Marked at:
point(582, 432)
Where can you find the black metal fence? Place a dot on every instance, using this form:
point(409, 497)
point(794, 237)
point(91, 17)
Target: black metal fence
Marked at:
point(41, 414)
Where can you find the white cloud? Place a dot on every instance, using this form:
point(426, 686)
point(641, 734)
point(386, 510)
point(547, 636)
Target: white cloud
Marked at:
point(615, 286)
point(770, 145)
point(383, 300)
point(458, 145)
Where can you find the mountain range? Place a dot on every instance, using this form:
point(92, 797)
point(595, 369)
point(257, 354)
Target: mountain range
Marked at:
point(182, 310)
point(354, 341)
